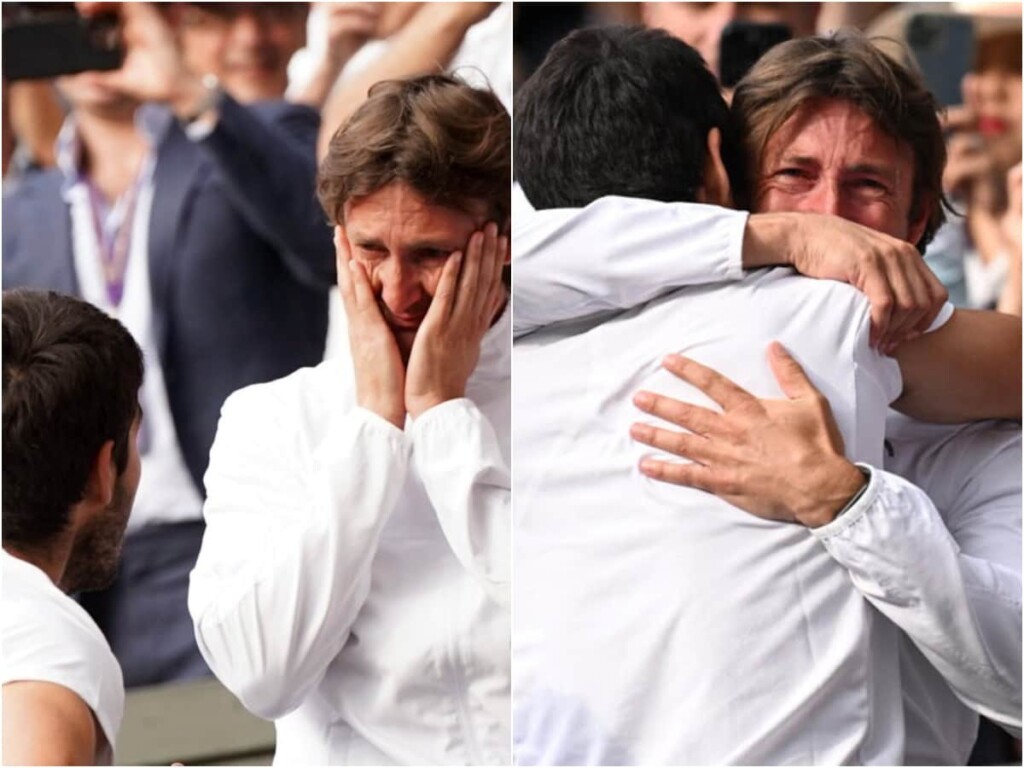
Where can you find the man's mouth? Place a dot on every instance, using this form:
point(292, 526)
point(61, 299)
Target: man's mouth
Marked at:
point(258, 66)
point(402, 321)
point(992, 126)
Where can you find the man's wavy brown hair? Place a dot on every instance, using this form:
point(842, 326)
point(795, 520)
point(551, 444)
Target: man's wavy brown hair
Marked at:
point(447, 140)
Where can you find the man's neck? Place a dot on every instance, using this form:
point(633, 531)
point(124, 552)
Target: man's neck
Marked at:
point(112, 150)
point(52, 560)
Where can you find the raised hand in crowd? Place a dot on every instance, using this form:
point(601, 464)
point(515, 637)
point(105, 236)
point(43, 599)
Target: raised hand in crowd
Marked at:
point(154, 68)
point(347, 27)
point(424, 44)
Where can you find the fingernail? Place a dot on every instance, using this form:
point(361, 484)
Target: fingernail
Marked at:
point(639, 431)
point(491, 229)
point(647, 466)
point(670, 360)
point(643, 399)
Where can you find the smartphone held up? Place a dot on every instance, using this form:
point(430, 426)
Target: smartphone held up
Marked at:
point(44, 40)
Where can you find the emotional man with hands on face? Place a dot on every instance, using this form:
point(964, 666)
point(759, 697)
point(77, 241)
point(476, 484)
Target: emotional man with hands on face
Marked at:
point(353, 580)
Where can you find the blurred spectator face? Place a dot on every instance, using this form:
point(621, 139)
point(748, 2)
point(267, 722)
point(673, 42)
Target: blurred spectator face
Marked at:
point(246, 45)
point(831, 158)
point(403, 240)
point(701, 24)
point(993, 92)
point(998, 102)
point(97, 547)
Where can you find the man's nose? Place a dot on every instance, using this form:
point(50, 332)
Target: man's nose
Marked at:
point(826, 197)
point(401, 286)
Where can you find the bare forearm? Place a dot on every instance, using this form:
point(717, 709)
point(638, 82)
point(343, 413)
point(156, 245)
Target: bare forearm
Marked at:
point(766, 240)
point(317, 88)
point(969, 369)
point(425, 44)
point(36, 117)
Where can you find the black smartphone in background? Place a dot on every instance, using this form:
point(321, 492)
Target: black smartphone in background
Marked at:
point(45, 40)
point(742, 44)
point(943, 49)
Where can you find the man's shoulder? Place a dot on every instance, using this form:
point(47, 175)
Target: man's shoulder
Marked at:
point(34, 607)
point(49, 637)
point(788, 280)
point(303, 397)
point(31, 187)
point(788, 297)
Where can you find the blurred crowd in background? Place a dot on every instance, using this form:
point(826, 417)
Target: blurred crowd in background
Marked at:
point(178, 194)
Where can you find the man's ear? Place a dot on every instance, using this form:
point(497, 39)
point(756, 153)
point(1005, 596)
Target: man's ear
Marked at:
point(99, 488)
point(918, 225)
point(715, 188)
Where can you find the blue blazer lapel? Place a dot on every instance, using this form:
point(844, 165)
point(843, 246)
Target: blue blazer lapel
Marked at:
point(178, 162)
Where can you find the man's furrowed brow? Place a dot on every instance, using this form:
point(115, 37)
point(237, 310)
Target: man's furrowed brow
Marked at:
point(435, 244)
point(802, 160)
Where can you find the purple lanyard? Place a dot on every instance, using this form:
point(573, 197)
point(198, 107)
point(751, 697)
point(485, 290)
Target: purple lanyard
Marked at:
point(114, 246)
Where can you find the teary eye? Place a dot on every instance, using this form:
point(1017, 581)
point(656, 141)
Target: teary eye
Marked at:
point(432, 254)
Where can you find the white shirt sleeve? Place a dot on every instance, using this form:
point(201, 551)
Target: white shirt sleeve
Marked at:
point(467, 479)
point(614, 254)
point(292, 530)
point(958, 600)
point(44, 641)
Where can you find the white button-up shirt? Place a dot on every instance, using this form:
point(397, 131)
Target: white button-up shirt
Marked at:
point(353, 579)
point(48, 637)
point(659, 624)
point(949, 577)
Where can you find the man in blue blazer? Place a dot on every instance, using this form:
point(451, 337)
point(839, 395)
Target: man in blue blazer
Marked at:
point(193, 219)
